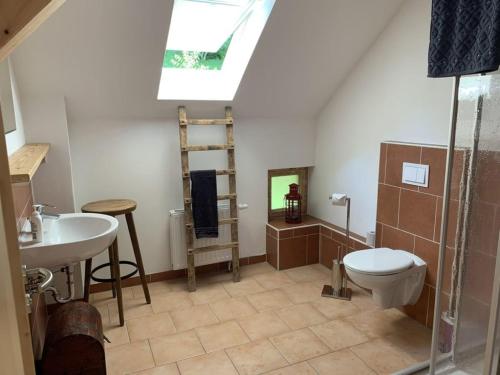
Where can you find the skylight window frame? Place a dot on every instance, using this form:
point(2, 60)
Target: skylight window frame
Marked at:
point(219, 85)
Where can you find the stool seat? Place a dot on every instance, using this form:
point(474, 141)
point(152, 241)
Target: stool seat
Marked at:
point(110, 207)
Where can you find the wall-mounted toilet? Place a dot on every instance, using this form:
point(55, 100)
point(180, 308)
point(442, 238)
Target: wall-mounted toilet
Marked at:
point(395, 277)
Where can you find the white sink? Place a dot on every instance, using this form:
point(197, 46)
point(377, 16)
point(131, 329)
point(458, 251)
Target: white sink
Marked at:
point(69, 239)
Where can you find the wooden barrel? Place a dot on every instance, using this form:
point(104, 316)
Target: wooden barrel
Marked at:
point(74, 341)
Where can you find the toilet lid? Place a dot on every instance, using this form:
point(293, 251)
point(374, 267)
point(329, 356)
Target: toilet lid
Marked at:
point(381, 261)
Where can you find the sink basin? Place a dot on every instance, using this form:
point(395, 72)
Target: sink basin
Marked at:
point(69, 239)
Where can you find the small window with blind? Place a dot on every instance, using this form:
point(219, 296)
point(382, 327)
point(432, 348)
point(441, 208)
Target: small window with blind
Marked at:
point(278, 185)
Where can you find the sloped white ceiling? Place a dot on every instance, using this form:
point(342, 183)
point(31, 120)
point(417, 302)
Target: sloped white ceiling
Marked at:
point(105, 57)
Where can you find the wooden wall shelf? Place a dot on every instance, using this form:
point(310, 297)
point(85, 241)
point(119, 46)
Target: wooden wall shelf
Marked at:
point(24, 163)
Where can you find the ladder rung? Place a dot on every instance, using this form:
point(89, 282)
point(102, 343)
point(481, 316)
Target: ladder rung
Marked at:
point(218, 172)
point(217, 121)
point(232, 220)
point(221, 197)
point(213, 247)
point(207, 148)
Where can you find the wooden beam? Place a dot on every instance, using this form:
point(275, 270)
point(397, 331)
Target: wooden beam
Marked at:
point(19, 18)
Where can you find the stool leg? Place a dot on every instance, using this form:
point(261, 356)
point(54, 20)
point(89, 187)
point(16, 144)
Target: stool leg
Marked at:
point(137, 253)
point(116, 267)
point(111, 270)
point(86, 287)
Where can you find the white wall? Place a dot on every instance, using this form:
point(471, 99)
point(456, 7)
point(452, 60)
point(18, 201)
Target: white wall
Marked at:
point(45, 122)
point(386, 97)
point(15, 139)
point(140, 159)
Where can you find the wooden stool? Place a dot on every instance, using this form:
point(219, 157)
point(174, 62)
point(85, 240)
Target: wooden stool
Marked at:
point(115, 207)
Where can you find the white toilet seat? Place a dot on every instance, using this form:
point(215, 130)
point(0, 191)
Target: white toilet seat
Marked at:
point(381, 261)
point(395, 277)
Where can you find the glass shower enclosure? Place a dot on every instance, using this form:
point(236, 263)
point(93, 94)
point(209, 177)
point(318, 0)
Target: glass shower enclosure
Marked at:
point(468, 338)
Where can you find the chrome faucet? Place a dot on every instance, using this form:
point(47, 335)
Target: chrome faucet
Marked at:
point(40, 208)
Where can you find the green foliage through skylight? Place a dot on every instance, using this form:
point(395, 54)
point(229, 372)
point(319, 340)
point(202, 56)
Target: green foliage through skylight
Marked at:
point(196, 60)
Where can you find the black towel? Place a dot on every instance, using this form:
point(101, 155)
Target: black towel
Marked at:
point(204, 204)
point(465, 37)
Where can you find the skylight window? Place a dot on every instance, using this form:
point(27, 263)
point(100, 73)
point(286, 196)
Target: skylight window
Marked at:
point(209, 45)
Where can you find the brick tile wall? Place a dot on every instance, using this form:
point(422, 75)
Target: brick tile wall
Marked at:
point(409, 217)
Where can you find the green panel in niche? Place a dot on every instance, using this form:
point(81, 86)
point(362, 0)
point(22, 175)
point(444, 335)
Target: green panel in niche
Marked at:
point(279, 187)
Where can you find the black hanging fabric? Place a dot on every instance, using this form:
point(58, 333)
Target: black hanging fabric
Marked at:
point(465, 37)
point(204, 203)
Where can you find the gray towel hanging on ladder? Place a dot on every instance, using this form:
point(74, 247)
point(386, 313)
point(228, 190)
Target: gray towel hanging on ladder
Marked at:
point(204, 203)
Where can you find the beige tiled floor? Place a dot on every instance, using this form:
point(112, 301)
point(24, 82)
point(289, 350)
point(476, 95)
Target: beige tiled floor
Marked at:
point(271, 322)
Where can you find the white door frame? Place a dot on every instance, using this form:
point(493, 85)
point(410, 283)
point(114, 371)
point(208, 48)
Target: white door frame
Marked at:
point(16, 353)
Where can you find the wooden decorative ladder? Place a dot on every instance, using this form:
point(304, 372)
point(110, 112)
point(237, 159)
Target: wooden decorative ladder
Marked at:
point(230, 172)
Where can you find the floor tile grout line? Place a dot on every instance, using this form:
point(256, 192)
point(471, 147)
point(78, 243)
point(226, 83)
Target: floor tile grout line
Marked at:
point(199, 340)
point(213, 312)
point(151, 352)
point(330, 350)
point(319, 338)
point(128, 333)
point(190, 356)
point(177, 366)
point(230, 359)
point(272, 311)
point(279, 351)
point(244, 332)
point(300, 329)
point(297, 363)
point(361, 359)
point(268, 339)
point(255, 341)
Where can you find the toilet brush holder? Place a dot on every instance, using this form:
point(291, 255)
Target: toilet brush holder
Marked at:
point(338, 289)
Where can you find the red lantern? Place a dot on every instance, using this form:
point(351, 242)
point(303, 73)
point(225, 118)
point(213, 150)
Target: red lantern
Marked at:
point(293, 205)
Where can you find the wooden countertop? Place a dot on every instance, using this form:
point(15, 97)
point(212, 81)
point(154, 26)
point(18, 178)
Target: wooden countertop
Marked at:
point(24, 163)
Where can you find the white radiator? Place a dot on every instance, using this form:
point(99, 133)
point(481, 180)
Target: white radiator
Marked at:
point(178, 241)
